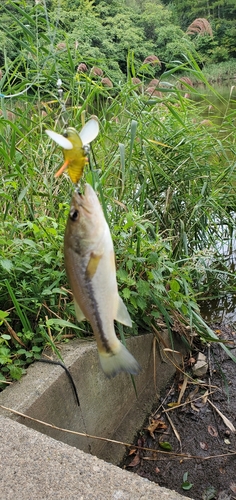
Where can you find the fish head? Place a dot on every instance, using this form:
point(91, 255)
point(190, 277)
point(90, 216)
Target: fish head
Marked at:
point(86, 221)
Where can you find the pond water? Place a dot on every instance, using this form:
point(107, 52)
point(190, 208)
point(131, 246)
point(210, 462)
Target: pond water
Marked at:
point(219, 106)
point(215, 107)
point(222, 310)
point(221, 99)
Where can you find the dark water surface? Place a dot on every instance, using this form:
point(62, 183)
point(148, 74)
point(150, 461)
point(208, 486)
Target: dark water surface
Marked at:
point(218, 104)
point(216, 108)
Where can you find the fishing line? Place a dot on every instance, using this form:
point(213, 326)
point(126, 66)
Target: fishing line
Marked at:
point(64, 115)
point(18, 93)
point(59, 363)
point(52, 36)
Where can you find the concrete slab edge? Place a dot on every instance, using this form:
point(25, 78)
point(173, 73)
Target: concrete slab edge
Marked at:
point(34, 465)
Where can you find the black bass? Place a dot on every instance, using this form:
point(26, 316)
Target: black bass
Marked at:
point(90, 267)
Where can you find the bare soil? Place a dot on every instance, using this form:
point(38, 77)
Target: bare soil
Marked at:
point(201, 463)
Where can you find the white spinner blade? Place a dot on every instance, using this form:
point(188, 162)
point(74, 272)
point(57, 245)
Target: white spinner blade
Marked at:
point(89, 131)
point(59, 139)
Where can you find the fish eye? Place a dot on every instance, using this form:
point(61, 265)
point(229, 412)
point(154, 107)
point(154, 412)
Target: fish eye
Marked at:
point(74, 214)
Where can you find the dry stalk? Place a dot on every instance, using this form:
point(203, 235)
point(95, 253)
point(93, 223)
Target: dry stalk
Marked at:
point(162, 452)
point(13, 333)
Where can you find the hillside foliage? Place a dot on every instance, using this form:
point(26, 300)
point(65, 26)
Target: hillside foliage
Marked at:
point(105, 31)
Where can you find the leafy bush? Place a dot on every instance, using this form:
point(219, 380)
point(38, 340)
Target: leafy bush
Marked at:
point(219, 54)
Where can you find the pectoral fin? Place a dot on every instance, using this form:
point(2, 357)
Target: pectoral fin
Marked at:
point(92, 264)
point(122, 314)
point(79, 314)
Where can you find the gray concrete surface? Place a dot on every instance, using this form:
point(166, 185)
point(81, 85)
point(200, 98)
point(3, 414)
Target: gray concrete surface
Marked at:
point(36, 467)
point(37, 462)
point(108, 407)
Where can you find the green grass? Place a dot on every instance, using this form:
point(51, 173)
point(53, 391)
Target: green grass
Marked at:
point(166, 182)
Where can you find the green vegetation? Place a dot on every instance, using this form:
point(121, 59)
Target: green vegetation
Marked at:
point(33, 34)
point(165, 176)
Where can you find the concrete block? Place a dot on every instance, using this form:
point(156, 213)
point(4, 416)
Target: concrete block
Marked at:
point(108, 407)
point(35, 466)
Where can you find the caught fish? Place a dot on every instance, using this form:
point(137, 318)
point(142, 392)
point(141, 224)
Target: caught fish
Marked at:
point(90, 267)
point(74, 148)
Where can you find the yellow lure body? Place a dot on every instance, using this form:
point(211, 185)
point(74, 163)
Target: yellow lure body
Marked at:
point(75, 159)
point(74, 147)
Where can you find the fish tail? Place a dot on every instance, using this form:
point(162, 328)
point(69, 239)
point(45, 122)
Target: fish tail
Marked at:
point(120, 361)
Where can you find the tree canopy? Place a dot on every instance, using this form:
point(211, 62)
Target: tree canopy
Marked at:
point(105, 31)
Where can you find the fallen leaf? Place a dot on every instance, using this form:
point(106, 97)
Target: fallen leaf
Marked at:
point(157, 470)
point(183, 388)
point(223, 495)
point(192, 394)
point(212, 431)
point(165, 445)
point(186, 485)
point(140, 442)
point(135, 461)
point(205, 397)
point(154, 425)
point(203, 445)
point(233, 487)
point(198, 403)
point(224, 418)
point(132, 451)
point(209, 493)
point(194, 407)
point(222, 471)
point(191, 361)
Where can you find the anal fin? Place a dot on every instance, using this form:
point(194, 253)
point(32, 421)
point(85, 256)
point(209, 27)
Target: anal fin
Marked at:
point(122, 314)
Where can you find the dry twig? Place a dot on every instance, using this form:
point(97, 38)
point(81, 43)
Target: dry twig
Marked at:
point(169, 453)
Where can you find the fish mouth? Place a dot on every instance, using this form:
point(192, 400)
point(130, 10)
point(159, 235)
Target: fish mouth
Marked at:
point(81, 200)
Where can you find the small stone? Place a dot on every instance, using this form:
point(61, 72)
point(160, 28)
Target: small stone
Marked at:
point(201, 366)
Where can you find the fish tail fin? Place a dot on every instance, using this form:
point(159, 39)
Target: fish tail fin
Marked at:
point(119, 361)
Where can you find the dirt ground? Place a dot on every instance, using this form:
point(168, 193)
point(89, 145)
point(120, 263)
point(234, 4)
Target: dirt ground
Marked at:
point(198, 441)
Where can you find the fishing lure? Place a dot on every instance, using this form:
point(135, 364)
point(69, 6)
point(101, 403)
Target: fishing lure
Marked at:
point(75, 148)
